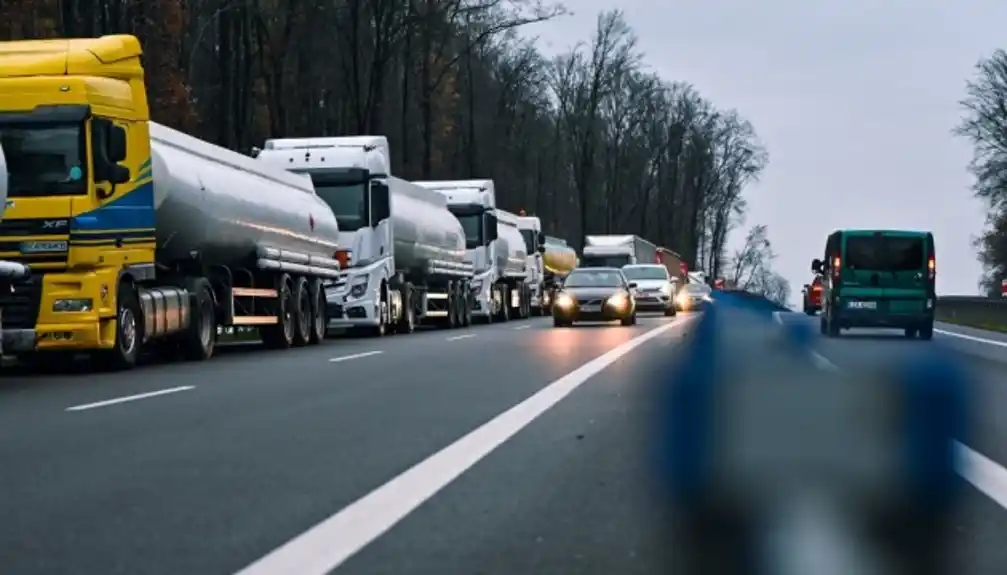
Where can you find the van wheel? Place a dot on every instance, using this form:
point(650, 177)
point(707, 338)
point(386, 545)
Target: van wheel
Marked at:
point(833, 328)
point(927, 331)
point(199, 341)
point(128, 331)
point(910, 332)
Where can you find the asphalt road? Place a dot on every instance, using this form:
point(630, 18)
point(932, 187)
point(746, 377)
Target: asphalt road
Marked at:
point(982, 522)
point(207, 468)
point(511, 448)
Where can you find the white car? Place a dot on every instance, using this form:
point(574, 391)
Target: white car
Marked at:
point(692, 296)
point(655, 289)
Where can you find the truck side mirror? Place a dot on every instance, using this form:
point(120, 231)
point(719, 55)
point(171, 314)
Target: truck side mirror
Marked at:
point(108, 145)
point(541, 248)
point(491, 227)
point(816, 265)
point(381, 203)
point(541, 240)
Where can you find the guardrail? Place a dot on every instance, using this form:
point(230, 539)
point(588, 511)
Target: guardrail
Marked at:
point(976, 311)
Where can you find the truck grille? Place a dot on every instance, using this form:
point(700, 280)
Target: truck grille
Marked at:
point(20, 302)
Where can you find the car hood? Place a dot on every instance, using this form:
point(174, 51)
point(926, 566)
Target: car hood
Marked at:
point(591, 292)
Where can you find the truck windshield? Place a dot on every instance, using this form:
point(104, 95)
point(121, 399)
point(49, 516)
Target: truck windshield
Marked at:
point(473, 226)
point(348, 203)
point(615, 261)
point(529, 241)
point(885, 253)
point(45, 159)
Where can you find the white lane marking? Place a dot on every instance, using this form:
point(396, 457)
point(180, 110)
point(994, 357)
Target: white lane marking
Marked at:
point(458, 337)
point(971, 338)
point(354, 356)
point(129, 398)
point(329, 544)
point(520, 327)
point(983, 473)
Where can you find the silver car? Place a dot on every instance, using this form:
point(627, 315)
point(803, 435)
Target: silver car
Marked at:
point(655, 289)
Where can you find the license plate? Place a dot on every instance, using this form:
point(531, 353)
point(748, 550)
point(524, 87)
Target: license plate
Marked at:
point(862, 305)
point(590, 308)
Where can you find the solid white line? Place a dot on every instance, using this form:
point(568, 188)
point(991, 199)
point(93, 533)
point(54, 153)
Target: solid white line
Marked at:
point(128, 398)
point(520, 327)
point(354, 356)
point(329, 544)
point(971, 338)
point(458, 337)
point(983, 473)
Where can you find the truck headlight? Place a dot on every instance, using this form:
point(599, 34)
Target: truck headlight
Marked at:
point(358, 287)
point(73, 305)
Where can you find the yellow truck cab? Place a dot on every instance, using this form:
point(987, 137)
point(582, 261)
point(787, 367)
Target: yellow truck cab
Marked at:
point(81, 212)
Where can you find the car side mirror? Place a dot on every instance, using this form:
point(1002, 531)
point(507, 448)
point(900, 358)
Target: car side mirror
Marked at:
point(632, 285)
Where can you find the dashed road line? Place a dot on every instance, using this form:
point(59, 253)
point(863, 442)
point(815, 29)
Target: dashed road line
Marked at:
point(354, 356)
point(128, 398)
point(458, 337)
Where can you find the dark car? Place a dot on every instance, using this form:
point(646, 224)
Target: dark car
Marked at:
point(595, 294)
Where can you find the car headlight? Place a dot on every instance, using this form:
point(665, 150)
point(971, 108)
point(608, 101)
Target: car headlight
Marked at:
point(666, 290)
point(358, 287)
point(619, 301)
point(564, 301)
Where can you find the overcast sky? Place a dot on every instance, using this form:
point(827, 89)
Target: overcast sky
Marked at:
point(855, 101)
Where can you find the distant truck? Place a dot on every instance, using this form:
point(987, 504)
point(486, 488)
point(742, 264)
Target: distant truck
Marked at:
point(145, 237)
point(674, 263)
point(494, 247)
point(550, 260)
point(617, 251)
point(408, 263)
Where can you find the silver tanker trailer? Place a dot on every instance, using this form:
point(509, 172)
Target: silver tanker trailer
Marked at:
point(408, 251)
point(198, 238)
point(494, 247)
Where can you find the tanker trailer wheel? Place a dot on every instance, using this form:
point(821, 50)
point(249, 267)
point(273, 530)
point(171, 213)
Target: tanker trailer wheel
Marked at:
point(465, 304)
point(128, 327)
point(303, 312)
point(281, 335)
point(319, 312)
point(408, 322)
point(505, 300)
point(200, 339)
point(453, 319)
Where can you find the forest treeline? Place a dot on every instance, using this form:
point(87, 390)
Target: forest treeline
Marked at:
point(590, 140)
point(984, 124)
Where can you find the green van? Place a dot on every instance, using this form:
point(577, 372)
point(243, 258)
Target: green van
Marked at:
point(878, 278)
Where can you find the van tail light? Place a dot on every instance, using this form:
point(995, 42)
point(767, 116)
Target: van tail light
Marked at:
point(344, 257)
point(836, 264)
point(931, 268)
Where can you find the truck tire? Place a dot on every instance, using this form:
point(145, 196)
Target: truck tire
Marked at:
point(200, 339)
point(319, 312)
point(408, 322)
point(451, 321)
point(128, 330)
point(466, 304)
point(281, 334)
point(302, 312)
point(504, 303)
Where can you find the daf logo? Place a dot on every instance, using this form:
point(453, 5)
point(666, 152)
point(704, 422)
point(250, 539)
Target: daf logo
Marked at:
point(53, 224)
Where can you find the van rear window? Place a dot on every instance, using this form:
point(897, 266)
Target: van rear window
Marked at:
point(887, 253)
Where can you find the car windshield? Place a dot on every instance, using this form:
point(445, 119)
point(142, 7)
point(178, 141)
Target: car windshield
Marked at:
point(634, 273)
point(884, 253)
point(594, 278)
point(44, 160)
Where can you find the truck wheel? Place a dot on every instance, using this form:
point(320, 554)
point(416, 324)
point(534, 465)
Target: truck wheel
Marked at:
point(199, 341)
point(408, 322)
point(281, 335)
point(302, 312)
point(505, 300)
point(465, 304)
point(128, 331)
point(451, 321)
point(319, 313)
